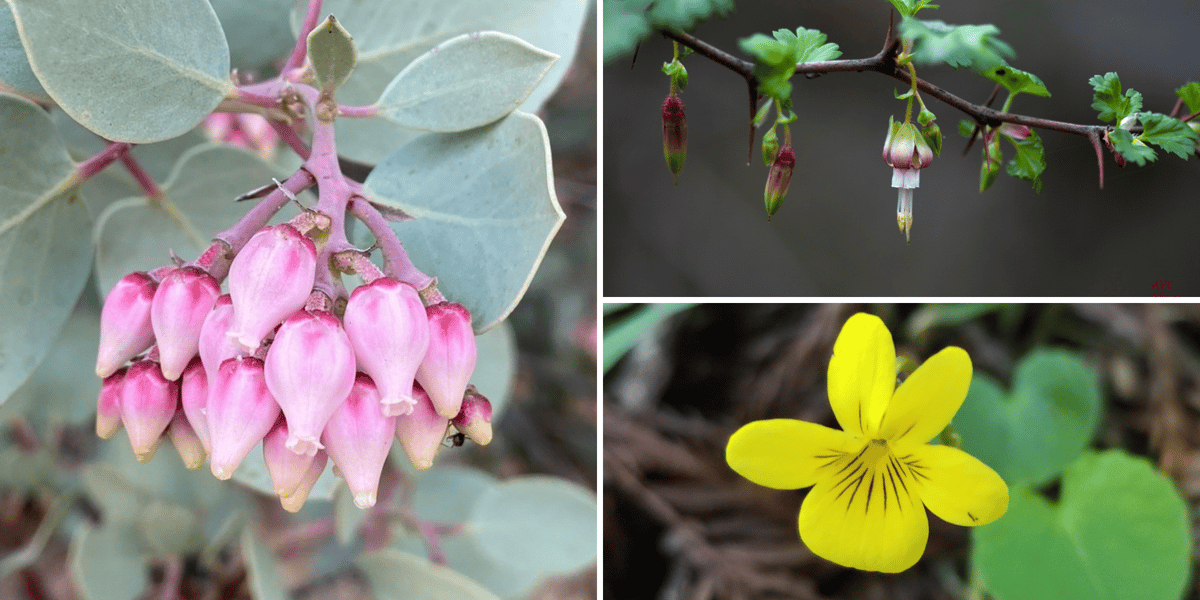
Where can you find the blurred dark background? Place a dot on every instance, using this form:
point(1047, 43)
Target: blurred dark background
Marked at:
point(836, 233)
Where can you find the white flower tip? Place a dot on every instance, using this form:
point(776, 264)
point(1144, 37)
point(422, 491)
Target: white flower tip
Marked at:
point(307, 446)
point(421, 463)
point(399, 406)
point(220, 472)
point(364, 500)
point(293, 503)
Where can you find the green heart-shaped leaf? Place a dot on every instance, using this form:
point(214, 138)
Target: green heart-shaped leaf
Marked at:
point(1047, 420)
point(1119, 531)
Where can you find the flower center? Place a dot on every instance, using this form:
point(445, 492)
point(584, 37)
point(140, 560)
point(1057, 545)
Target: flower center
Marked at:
point(874, 476)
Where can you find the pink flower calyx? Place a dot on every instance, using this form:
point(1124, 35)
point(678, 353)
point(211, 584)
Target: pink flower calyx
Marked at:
point(268, 280)
point(387, 324)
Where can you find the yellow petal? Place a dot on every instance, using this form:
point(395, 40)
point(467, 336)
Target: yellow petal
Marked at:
point(872, 521)
point(928, 399)
point(785, 454)
point(862, 374)
point(958, 487)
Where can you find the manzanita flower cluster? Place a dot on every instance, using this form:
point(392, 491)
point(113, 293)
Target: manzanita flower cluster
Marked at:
point(287, 359)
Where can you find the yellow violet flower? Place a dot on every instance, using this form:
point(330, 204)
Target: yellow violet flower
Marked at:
point(873, 479)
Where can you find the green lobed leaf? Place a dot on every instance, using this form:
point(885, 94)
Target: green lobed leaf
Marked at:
point(965, 127)
point(490, 191)
point(263, 569)
point(1030, 160)
point(466, 82)
point(624, 27)
point(44, 250)
point(1044, 423)
point(332, 54)
point(141, 74)
point(1190, 94)
point(539, 523)
point(776, 58)
point(685, 14)
point(971, 46)
point(1134, 150)
point(395, 575)
point(106, 564)
point(1017, 81)
point(15, 71)
point(1168, 133)
point(1120, 530)
point(1109, 101)
point(390, 35)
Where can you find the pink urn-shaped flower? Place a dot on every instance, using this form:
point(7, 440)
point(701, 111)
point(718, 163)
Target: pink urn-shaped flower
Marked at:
point(358, 438)
point(295, 501)
point(310, 369)
point(216, 345)
point(183, 300)
point(450, 358)
point(108, 405)
point(269, 279)
point(475, 418)
point(421, 431)
point(286, 468)
point(148, 403)
point(125, 328)
point(240, 412)
point(388, 327)
point(193, 396)
point(186, 442)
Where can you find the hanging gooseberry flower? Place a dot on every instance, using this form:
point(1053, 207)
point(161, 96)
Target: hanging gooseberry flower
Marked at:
point(125, 328)
point(907, 152)
point(269, 279)
point(873, 480)
point(450, 359)
point(674, 134)
point(182, 301)
point(779, 178)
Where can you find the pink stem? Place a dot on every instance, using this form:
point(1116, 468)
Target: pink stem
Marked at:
point(90, 167)
point(300, 52)
point(288, 134)
point(358, 111)
point(235, 237)
point(144, 180)
point(396, 262)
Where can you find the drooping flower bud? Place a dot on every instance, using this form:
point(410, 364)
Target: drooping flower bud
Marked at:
point(240, 411)
point(193, 396)
point(186, 441)
point(421, 431)
point(269, 279)
point(148, 403)
point(287, 469)
point(475, 418)
point(295, 501)
point(389, 329)
point(674, 134)
point(778, 179)
point(450, 359)
point(358, 438)
point(108, 405)
point(125, 329)
point(183, 300)
point(216, 346)
point(310, 369)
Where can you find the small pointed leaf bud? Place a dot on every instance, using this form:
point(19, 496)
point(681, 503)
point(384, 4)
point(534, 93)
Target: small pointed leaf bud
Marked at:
point(125, 329)
point(295, 501)
point(108, 405)
point(148, 403)
point(287, 469)
point(933, 136)
point(778, 179)
point(193, 395)
point(183, 300)
point(421, 432)
point(240, 411)
point(186, 442)
point(674, 134)
point(389, 329)
point(358, 438)
point(450, 359)
point(310, 369)
point(475, 418)
point(269, 279)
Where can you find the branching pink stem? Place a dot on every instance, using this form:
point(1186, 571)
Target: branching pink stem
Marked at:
point(300, 51)
point(235, 237)
point(90, 167)
point(357, 112)
point(288, 134)
point(144, 180)
point(396, 263)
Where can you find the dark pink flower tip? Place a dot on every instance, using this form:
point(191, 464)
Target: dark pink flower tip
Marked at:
point(125, 328)
point(387, 324)
point(240, 411)
point(193, 394)
point(309, 369)
point(475, 418)
point(148, 402)
point(421, 431)
point(269, 279)
point(183, 300)
point(295, 501)
point(287, 469)
point(450, 358)
point(108, 404)
point(358, 438)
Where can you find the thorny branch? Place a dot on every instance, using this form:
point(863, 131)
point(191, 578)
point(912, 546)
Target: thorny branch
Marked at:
point(885, 63)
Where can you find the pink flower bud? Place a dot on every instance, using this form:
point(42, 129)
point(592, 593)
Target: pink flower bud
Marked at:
point(310, 369)
point(240, 412)
point(287, 469)
point(193, 394)
point(475, 418)
point(358, 438)
point(421, 431)
point(295, 502)
point(108, 405)
point(186, 442)
point(148, 403)
point(674, 134)
point(216, 346)
point(269, 279)
point(778, 179)
point(387, 324)
point(125, 329)
point(450, 359)
point(183, 300)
